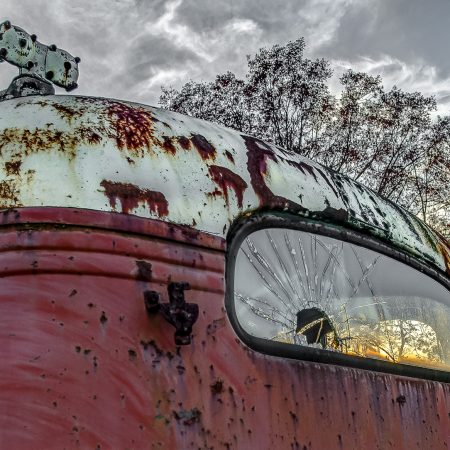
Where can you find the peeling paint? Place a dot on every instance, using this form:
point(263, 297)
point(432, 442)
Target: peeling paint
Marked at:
point(204, 148)
point(112, 155)
point(130, 196)
point(13, 167)
point(226, 179)
point(133, 126)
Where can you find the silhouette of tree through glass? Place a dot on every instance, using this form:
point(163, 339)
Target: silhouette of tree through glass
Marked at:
point(304, 289)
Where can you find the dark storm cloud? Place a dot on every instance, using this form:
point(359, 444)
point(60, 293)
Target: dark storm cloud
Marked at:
point(156, 52)
point(408, 30)
point(275, 17)
point(129, 48)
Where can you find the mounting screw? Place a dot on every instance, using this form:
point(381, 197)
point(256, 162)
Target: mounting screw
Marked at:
point(182, 339)
point(71, 87)
point(152, 301)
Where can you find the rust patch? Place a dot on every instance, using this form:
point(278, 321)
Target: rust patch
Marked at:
point(168, 146)
point(229, 156)
point(217, 387)
point(258, 152)
point(327, 180)
point(188, 417)
point(65, 112)
point(13, 168)
point(303, 167)
point(8, 195)
point(190, 234)
point(46, 139)
point(184, 142)
point(332, 214)
point(226, 179)
point(133, 126)
point(445, 252)
point(215, 193)
point(215, 325)
point(204, 148)
point(131, 195)
point(311, 170)
point(144, 269)
point(94, 138)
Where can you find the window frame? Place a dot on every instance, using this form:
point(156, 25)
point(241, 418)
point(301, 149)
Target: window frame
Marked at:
point(248, 224)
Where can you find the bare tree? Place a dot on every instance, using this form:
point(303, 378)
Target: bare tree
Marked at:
point(387, 140)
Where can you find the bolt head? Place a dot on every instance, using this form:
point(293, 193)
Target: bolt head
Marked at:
point(152, 301)
point(182, 340)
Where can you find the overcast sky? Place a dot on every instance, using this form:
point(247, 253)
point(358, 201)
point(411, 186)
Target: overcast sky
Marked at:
point(129, 48)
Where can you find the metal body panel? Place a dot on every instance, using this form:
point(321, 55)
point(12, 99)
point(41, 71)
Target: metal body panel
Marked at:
point(84, 366)
point(111, 155)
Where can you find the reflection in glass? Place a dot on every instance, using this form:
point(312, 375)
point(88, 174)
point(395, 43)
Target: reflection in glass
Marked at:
point(296, 287)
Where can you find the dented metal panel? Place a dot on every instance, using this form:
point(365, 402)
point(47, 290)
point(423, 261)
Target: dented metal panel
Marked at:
point(84, 365)
point(111, 155)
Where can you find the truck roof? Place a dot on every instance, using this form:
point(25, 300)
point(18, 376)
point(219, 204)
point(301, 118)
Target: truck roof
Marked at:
point(112, 155)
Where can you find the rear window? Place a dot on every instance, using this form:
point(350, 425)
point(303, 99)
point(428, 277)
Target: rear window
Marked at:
point(312, 291)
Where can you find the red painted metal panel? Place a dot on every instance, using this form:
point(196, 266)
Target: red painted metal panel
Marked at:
point(84, 366)
point(110, 221)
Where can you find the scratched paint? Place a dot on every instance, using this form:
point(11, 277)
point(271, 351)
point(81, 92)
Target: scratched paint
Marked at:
point(71, 151)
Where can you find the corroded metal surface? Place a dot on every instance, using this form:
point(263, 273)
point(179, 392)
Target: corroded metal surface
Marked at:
point(46, 62)
point(115, 156)
point(84, 366)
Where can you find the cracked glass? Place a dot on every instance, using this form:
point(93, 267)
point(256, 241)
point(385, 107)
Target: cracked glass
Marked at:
point(305, 289)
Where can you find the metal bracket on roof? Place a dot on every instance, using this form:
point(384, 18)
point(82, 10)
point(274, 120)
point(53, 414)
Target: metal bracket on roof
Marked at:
point(39, 65)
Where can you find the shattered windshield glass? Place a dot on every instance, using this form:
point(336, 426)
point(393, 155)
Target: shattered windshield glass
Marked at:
point(305, 289)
